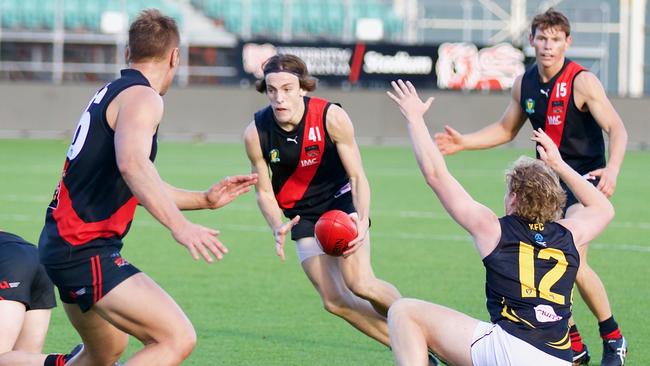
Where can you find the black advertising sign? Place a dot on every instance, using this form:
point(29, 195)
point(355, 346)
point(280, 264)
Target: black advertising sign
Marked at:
point(344, 65)
point(446, 66)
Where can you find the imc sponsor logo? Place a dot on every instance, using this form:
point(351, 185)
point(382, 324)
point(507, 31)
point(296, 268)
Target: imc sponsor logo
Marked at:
point(553, 120)
point(308, 162)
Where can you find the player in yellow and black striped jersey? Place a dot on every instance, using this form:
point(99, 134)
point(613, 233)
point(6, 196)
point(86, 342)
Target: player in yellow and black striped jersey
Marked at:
point(539, 262)
point(530, 255)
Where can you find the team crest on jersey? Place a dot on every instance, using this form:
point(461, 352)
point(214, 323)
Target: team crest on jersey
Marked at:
point(312, 151)
point(274, 156)
point(530, 106)
point(539, 239)
point(557, 107)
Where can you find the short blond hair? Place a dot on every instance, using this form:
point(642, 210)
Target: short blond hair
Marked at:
point(539, 197)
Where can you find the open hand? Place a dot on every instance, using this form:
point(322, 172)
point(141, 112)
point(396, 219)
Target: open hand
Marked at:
point(449, 142)
point(406, 97)
point(200, 240)
point(229, 188)
point(280, 235)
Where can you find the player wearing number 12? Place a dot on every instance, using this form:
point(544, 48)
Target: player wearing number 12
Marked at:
point(569, 104)
point(530, 256)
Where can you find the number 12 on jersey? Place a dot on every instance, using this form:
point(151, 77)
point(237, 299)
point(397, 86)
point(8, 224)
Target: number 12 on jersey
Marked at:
point(527, 273)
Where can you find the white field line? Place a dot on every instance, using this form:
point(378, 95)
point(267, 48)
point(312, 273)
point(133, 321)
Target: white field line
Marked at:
point(428, 215)
point(397, 235)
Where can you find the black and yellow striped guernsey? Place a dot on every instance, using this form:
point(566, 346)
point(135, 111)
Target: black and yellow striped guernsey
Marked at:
point(529, 283)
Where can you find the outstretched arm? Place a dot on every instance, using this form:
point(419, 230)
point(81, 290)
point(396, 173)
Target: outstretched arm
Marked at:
point(474, 217)
point(498, 133)
point(136, 123)
point(265, 196)
point(217, 196)
point(588, 221)
point(589, 88)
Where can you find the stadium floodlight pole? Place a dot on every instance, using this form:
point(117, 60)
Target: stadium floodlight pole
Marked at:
point(623, 46)
point(637, 43)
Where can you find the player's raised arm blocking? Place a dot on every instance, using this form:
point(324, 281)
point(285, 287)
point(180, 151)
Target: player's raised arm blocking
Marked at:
point(596, 211)
point(477, 219)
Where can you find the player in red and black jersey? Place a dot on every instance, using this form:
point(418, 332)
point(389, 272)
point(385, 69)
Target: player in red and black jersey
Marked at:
point(308, 162)
point(530, 256)
point(570, 105)
point(108, 171)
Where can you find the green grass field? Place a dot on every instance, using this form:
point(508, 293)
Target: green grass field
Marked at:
point(253, 309)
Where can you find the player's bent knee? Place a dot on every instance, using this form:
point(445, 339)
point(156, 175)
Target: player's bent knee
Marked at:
point(335, 305)
point(402, 309)
point(183, 342)
point(363, 287)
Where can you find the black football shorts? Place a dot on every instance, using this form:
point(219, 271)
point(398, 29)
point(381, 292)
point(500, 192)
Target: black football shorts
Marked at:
point(22, 277)
point(88, 279)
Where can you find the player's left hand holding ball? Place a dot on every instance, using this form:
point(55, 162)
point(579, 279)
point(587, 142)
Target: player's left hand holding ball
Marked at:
point(362, 231)
point(229, 188)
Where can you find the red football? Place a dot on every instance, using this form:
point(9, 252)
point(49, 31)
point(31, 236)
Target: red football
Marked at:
point(334, 230)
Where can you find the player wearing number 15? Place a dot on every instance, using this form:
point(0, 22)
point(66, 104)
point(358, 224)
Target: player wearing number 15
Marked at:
point(530, 256)
point(570, 105)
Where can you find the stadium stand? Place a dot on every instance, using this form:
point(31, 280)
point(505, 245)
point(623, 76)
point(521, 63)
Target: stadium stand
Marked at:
point(324, 19)
point(78, 15)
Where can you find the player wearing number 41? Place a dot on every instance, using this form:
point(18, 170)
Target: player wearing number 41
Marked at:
point(569, 103)
point(309, 147)
point(530, 256)
point(107, 172)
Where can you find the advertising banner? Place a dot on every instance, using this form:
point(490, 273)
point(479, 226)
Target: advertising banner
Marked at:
point(446, 66)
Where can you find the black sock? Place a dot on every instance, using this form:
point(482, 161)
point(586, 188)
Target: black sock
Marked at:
point(609, 329)
point(56, 359)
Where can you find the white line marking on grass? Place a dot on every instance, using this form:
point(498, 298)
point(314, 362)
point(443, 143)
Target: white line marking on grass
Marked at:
point(399, 235)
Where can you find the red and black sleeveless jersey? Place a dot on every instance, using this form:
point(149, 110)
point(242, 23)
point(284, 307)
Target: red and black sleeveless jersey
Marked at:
point(529, 283)
point(306, 170)
point(92, 204)
point(551, 106)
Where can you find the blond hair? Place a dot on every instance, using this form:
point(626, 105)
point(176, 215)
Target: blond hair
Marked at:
point(538, 194)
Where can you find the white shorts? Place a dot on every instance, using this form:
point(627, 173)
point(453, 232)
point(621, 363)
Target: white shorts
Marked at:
point(491, 346)
point(307, 248)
